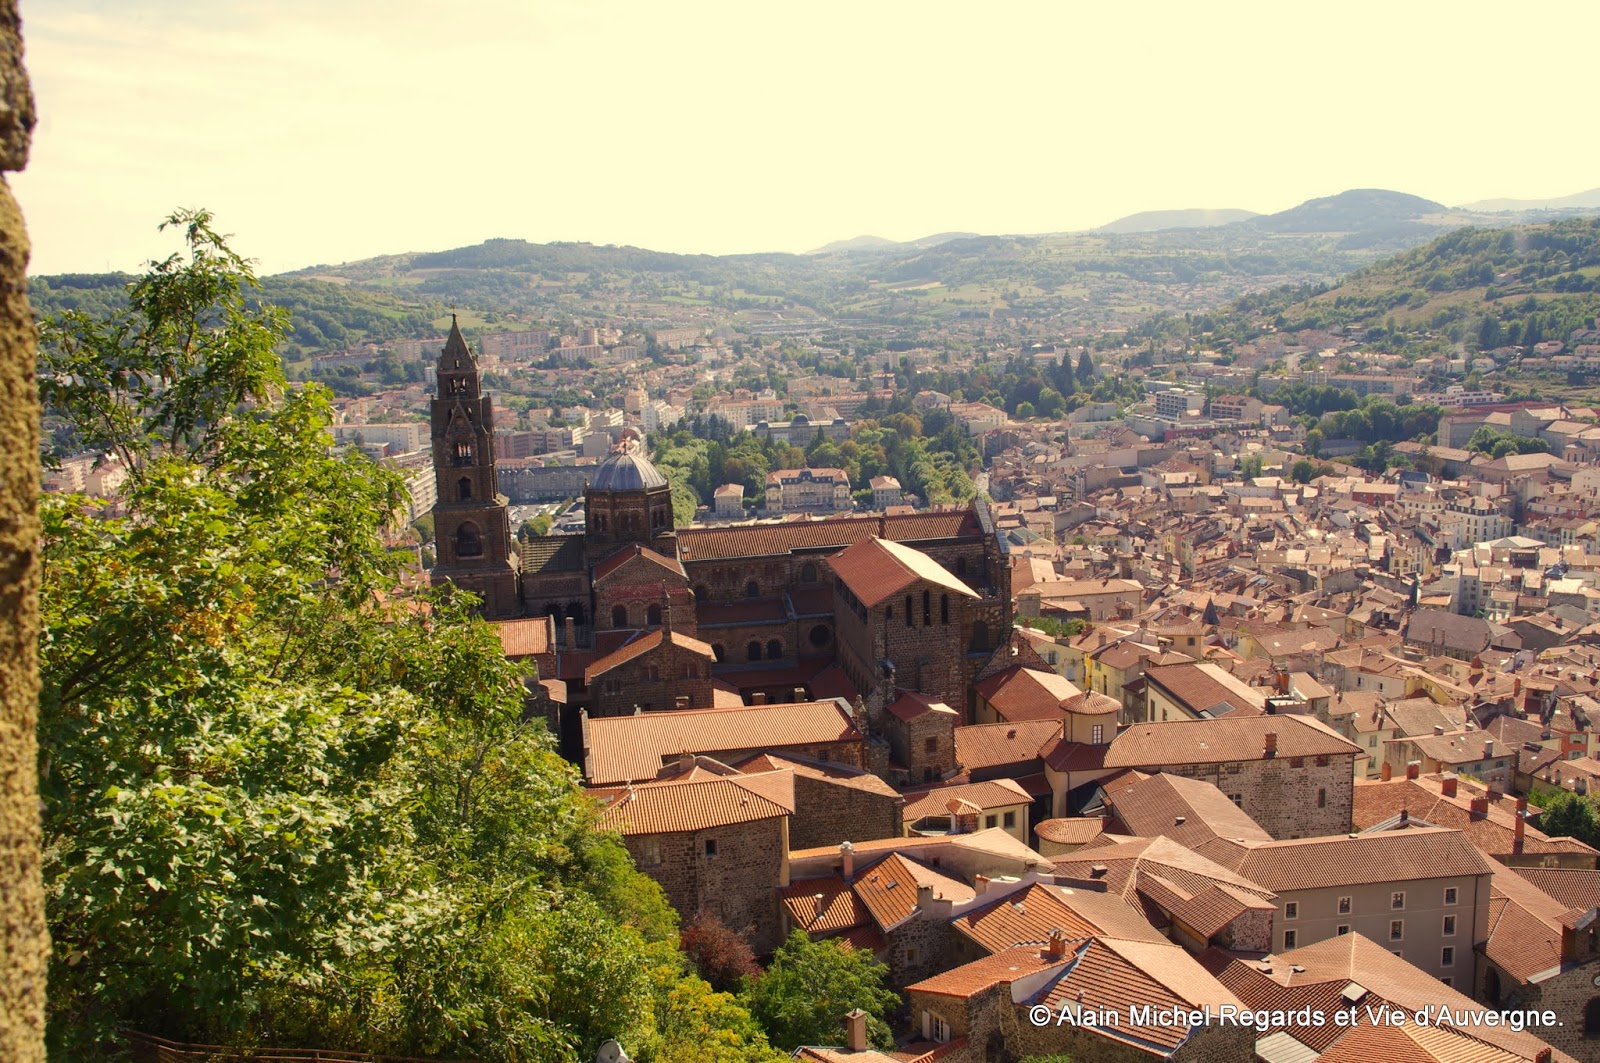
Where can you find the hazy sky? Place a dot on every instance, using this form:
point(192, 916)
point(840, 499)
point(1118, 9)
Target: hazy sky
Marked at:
point(331, 130)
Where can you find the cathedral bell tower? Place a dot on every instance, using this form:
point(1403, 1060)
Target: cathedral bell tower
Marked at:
point(471, 520)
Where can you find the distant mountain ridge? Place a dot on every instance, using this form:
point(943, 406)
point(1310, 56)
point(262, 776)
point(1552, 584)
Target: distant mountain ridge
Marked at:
point(1589, 200)
point(1357, 210)
point(1149, 221)
point(878, 243)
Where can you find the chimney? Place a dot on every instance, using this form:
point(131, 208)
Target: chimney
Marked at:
point(1272, 744)
point(685, 761)
point(924, 898)
point(1488, 749)
point(1178, 821)
point(1438, 729)
point(1480, 807)
point(980, 884)
point(855, 1030)
point(799, 694)
point(1098, 871)
point(1057, 948)
point(1413, 769)
point(570, 641)
point(1405, 815)
point(1102, 638)
point(1447, 785)
point(1386, 772)
point(758, 698)
point(847, 856)
point(1521, 825)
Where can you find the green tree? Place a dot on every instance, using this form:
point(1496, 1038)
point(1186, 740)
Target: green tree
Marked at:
point(1568, 815)
point(810, 985)
point(282, 803)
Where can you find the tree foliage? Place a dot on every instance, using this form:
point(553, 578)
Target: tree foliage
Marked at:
point(285, 801)
point(810, 985)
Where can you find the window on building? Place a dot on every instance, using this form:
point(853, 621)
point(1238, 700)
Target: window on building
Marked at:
point(774, 650)
point(935, 1028)
point(652, 616)
point(464, 489)
point(927, 609)
point(1447, 956)
point(752, 589)
point(752, 651)
point(1097, 734)
point(1341, 930)
point(1322, 798)
point(1009, 820)
point(690, 671)
point(1290, 939)
point(930, 746)
point(1297, 762)
point(653, 673)
point(1237, 799)
point(650, 852)
point(469, 541)
point(1449, 926)
point(820, 635)
point(1344, 905)
point(619, 616)
point(991, 821)
point(719, 652)
point(1397, 900)
point(711, 848)
point(808, 573)
point(1397, 929)
point(1291, 910)
point(961, 566)
point(1450, 895)
point(909, 621)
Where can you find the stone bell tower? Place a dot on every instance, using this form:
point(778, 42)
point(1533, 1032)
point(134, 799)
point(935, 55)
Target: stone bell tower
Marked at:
point(471, 520)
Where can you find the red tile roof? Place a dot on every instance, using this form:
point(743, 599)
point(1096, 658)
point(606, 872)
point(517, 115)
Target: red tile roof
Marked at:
point(1020, 693)
point(669, 565)
point(876, 569)
point(770, 540)
point(1069, 831)
point(1230, 738)
point(910, 705)
point(1350, 860)
point(889, 888)
point(999, 793)
point(990, 745)
point(642, 645)
point(674, 806)
point(526, 638)
point(623, 748)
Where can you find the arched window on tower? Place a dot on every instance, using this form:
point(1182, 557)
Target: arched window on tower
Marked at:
point(619, 616)
point(463, 453)
point(774, 650)
point(469, 541)
point(927, 610)
point(752, 589)
point(652, 616)
point(808, 573)
point(752, 652)
point(910, 621)
point(600, 522)
point(701, 594)
point(464, 489)
point(944, 609)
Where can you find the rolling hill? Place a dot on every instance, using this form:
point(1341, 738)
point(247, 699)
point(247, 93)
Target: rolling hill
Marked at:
point(1149, 221)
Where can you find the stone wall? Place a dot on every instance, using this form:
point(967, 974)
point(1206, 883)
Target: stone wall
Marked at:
point(828, 812)
point(738, 884)
point(1567, 994)
point(1291, 797)
point(654, 681)
point(24, 946)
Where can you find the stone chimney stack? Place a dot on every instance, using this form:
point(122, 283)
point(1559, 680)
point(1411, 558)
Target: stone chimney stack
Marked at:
point(1480, 807)
point(570, 635)
point(1447, 785)
point(1272, 744)
point(980, 884)
point(1521, 825)
point(1386, 772)
point(1488, 749)
point(847, 856)
point(855, 1030)
point(1057, 947)
point(1413, 769)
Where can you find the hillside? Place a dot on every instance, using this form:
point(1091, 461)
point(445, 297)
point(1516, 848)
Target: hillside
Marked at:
point(1589, 200)
point(1149, 221)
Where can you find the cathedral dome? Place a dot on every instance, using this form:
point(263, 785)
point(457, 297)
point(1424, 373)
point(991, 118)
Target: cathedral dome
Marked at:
point(626, 470)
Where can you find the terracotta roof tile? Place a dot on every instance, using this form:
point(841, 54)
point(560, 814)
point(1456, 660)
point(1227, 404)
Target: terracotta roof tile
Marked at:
point(771, 540)
point(642, 645)
point(526, 638)
point(1027, 694)
point(876, 569)
point(676, 807)
point(622, 748)
point(824, 905)
point(998, 793)
point(910, 705)
point(972, 978)
point(669, 565)
point(1572, 887)
point(1231, 738)
point(889, 888)
point(992, 745)
point(1070, 831)
point(1307, 863)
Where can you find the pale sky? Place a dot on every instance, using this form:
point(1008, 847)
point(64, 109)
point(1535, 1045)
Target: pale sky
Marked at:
point(323, 131)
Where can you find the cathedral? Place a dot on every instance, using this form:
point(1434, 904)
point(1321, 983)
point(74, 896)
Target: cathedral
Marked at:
point(650, 617)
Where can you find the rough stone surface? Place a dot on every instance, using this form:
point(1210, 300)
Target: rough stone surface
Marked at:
point(24, 946)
